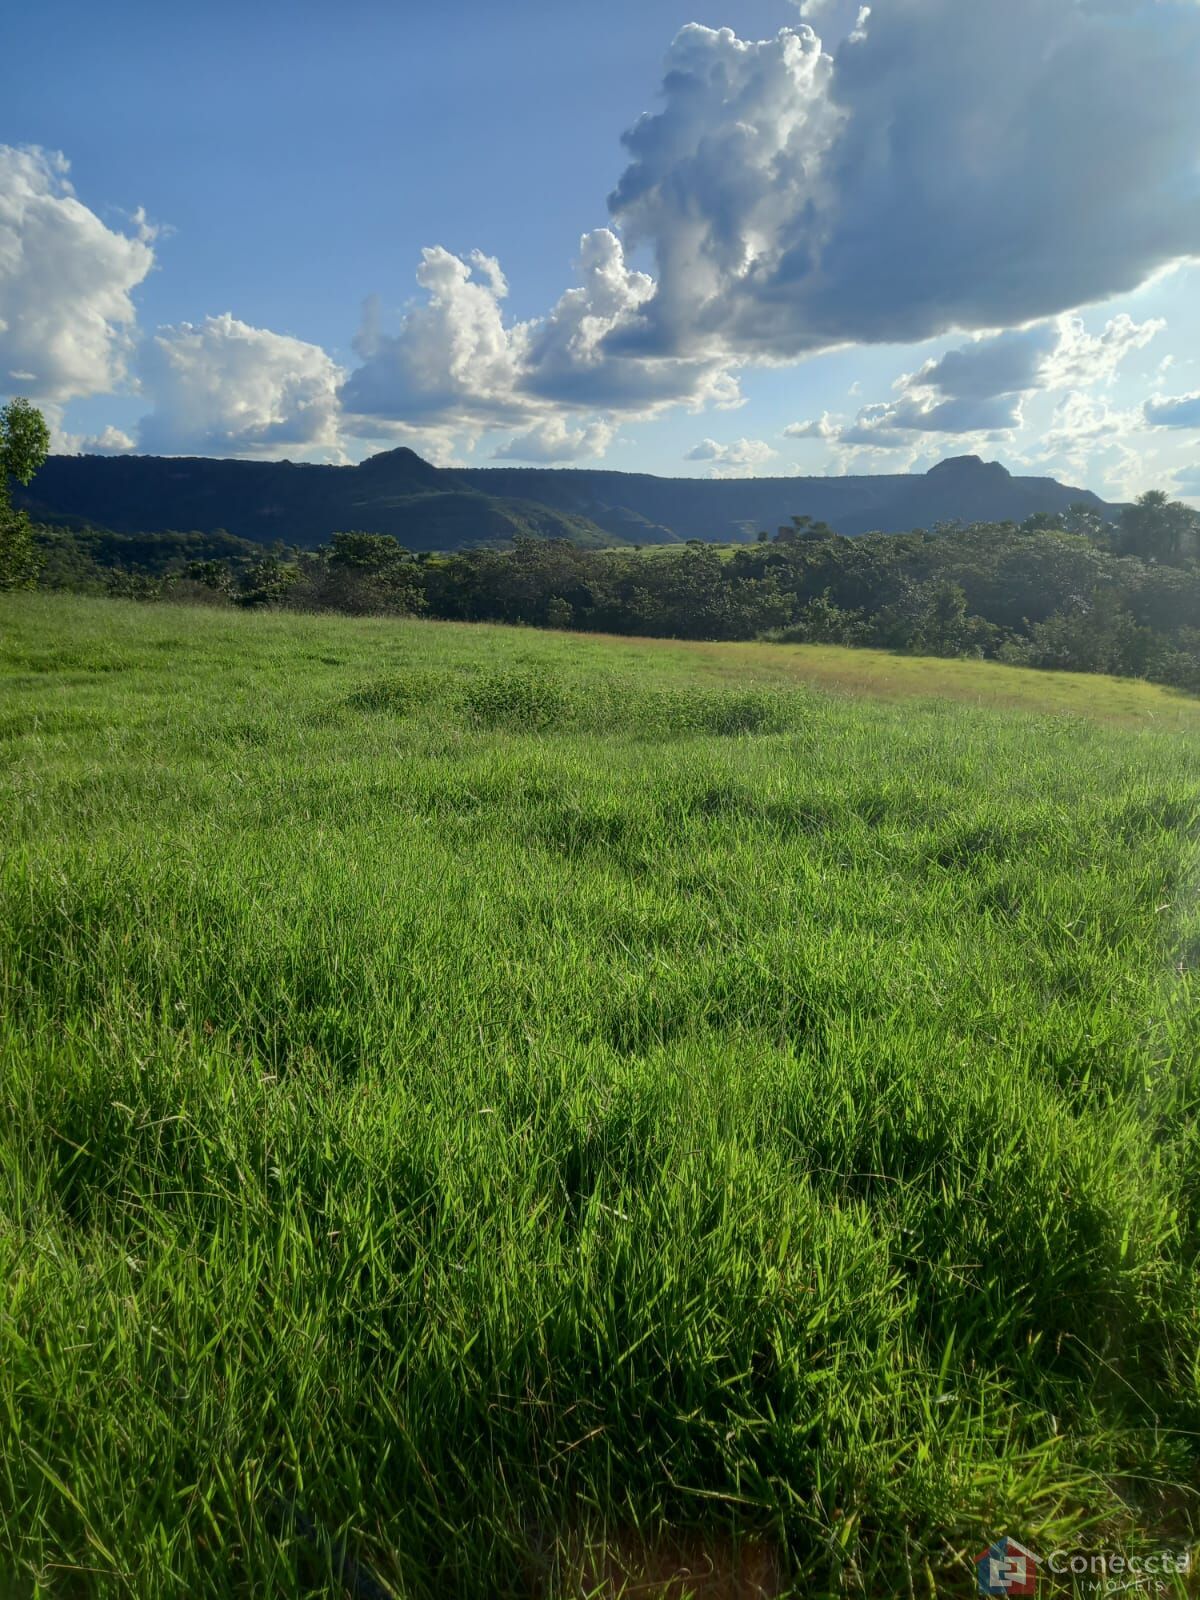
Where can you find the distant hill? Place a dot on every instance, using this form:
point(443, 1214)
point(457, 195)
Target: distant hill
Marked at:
point(431, 508)
point(963, 488)
point(425, 507)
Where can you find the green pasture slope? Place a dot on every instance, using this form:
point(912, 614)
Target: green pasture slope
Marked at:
point(487, 1113)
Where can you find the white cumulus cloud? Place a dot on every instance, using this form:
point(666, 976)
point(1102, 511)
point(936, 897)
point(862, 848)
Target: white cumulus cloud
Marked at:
point(739, 458)
point(67, 316)
point(554, 440)
point(457, 362)
point(110, 441)
point(454, 357)
point(222, 387)
point(823, 427)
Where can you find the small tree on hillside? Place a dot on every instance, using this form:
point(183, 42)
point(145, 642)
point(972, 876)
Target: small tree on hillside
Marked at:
point(24, 445)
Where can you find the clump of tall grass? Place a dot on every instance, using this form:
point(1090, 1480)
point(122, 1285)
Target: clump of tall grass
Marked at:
point(617, 703)
point(397, 692)
point(518, 699)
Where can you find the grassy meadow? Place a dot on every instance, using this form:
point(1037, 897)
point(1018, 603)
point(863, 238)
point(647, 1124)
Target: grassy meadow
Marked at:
point(496, 1113)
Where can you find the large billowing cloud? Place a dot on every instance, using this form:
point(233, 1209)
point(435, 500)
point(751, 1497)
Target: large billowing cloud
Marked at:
point(66, 283)
point(939, 166)
point(221, 387)
point(952, 165)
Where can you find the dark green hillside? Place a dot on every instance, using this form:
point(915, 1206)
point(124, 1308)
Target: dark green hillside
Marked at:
point(423, 506)
point(433, 508)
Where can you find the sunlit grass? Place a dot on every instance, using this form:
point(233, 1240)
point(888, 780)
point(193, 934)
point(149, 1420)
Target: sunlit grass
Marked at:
point(473, 1098)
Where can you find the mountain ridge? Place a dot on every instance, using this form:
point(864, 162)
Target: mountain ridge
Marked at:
point(437, 508)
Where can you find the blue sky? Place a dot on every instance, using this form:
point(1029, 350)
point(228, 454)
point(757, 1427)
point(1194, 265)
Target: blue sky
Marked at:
point(818, 205)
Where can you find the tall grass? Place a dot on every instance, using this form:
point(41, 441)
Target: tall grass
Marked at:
point(480, 1111)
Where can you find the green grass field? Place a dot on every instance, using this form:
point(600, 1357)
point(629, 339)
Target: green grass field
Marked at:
point(489, 1113)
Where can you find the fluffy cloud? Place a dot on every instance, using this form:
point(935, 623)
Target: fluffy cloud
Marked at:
point(951, 166)
point(221, 387)
point(889, 424)
point(456, 362)
point(454, 357)
point(109, 441)
point(1050, 355)
point(1004, 363)
point(823, 427)
point(553, 440)
point(978, 387)
point(736, 154)
point(1173, 411)
point(740, 458)
point(66, 284)
point(1088, 434)
point(1084, 360)
point(574, 360)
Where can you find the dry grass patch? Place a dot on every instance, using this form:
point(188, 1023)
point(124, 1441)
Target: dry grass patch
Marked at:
point(684, 1567)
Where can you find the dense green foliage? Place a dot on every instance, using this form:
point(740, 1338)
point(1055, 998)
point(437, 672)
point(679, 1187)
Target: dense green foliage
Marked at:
point(1076, 593)
point(472, 1096)
point(24, 444)
point(94, 561)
